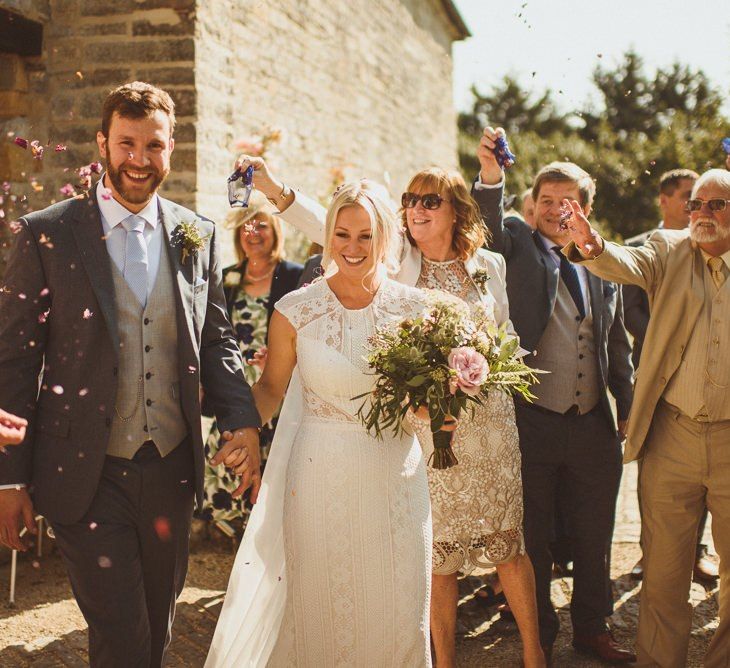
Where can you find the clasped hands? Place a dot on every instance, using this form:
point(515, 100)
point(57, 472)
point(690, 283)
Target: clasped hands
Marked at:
point(242, 456)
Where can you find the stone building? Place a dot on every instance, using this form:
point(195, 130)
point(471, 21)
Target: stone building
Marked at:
point(362, 87)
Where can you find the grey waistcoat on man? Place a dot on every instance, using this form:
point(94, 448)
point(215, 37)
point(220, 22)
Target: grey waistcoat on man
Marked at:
point(148, 396)
point(567, 351)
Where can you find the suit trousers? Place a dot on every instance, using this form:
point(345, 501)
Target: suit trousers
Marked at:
point(686, 466)
point(127, 556)
point(580, 455)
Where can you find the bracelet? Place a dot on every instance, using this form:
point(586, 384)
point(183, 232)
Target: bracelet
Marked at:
point(281, 197)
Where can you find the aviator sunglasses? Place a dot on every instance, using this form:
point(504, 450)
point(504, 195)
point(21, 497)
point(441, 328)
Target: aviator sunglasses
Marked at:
point(716, 204)
point(430, 201)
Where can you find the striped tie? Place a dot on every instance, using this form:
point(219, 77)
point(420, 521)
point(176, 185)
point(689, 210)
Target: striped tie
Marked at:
point(135, 257)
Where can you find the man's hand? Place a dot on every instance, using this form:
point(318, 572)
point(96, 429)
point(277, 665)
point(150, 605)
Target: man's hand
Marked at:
point(12, 429)
point(490, 173)
point(259, 358)
point(16, 509)
point(588, 241)
point(623, 429)
point(241, 454)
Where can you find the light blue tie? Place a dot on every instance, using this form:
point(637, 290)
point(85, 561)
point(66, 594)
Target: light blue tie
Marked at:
point(135, 257)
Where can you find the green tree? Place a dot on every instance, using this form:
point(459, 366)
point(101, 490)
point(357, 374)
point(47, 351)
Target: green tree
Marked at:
point(644, 126)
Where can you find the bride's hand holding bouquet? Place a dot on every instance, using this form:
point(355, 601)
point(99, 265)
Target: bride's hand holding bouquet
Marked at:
point(438, 365)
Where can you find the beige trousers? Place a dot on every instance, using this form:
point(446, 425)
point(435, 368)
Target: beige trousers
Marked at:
point(686, 464)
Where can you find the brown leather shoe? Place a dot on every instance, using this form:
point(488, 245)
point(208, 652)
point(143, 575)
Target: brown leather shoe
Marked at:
point(637, 572)
point(705, 571)
point(604, 647)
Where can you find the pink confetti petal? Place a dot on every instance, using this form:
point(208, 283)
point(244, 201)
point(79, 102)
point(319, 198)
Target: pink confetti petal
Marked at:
point(59, 148)
point(162, 529)
point(87, 314)
point(57, 389)
point(19, 141)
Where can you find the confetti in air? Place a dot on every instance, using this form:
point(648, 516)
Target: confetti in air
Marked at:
point(162, 529)
point(566, 213)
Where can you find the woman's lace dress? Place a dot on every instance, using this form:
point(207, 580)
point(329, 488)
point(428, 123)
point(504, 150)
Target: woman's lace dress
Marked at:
point(356, 520)
point(477, 504)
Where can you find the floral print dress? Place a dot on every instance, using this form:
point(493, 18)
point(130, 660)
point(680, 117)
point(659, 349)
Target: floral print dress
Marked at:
point(249, 320)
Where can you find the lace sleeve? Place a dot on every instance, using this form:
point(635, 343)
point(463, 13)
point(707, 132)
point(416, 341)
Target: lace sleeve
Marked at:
point(304, 305)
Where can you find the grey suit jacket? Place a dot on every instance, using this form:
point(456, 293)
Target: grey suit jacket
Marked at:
point(58, 343)
point(532, 286)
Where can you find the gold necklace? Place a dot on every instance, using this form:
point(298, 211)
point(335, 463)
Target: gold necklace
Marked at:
point(257, 279)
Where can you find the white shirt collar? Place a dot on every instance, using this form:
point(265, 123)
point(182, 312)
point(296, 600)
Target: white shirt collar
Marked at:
point(114, 213)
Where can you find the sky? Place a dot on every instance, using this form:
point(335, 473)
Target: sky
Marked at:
point(560, 42)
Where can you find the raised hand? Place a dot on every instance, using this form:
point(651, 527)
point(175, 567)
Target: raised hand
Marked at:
point(241, 454)
point(588, 241)
point(263, 179)
point(490, 173)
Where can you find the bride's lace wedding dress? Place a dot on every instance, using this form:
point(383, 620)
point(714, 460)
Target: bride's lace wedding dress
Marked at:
point(335, 566)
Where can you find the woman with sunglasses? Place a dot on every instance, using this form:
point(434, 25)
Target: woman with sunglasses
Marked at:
point(477, 504)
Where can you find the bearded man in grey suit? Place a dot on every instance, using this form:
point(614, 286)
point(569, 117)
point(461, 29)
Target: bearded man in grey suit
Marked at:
point(111, 317)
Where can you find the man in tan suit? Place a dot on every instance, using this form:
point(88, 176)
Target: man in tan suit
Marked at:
point(680, 422)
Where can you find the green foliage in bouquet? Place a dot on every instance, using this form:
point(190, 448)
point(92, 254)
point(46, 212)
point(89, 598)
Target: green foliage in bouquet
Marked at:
point(446, 360)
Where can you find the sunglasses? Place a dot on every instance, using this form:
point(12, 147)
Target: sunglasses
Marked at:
point(712, 204)
point(430, 201)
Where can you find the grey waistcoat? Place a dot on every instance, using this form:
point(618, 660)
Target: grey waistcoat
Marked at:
point(567, 350)
point(148, 394)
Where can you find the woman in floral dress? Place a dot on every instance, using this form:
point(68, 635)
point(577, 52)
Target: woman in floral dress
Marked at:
point(252, 287)
point(476, 505)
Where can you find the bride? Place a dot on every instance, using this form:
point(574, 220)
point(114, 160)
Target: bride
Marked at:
point(335, 565)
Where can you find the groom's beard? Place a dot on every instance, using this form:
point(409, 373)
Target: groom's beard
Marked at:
point(138, 195)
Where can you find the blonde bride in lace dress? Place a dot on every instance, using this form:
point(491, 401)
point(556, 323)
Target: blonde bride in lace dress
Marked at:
point(476, 505)
point(334, 568)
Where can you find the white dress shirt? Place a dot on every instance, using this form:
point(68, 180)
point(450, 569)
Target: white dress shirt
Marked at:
point(582, 271)
point(112, 215)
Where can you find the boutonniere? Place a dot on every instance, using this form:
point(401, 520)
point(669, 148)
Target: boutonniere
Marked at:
point(232, 279)
point(480, 277)
point(188, 237)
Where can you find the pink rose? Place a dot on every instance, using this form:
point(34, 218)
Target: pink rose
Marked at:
point(471, 369)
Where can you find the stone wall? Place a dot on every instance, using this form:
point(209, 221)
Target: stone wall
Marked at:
point(362, 87)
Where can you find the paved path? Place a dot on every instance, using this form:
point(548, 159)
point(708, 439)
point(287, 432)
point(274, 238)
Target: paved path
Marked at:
point(47, 629)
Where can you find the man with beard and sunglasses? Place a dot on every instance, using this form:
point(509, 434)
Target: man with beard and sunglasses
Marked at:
point(680, 427)
point(111, 317)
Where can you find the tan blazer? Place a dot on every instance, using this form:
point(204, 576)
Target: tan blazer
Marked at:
point(670, 269)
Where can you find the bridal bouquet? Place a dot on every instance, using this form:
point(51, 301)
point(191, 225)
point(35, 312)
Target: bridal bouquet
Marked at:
point(446, 360)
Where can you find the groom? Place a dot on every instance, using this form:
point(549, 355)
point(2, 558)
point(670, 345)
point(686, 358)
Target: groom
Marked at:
point(111, 317)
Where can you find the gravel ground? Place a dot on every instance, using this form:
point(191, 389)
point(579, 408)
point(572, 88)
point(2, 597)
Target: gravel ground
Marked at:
point(45, 628)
